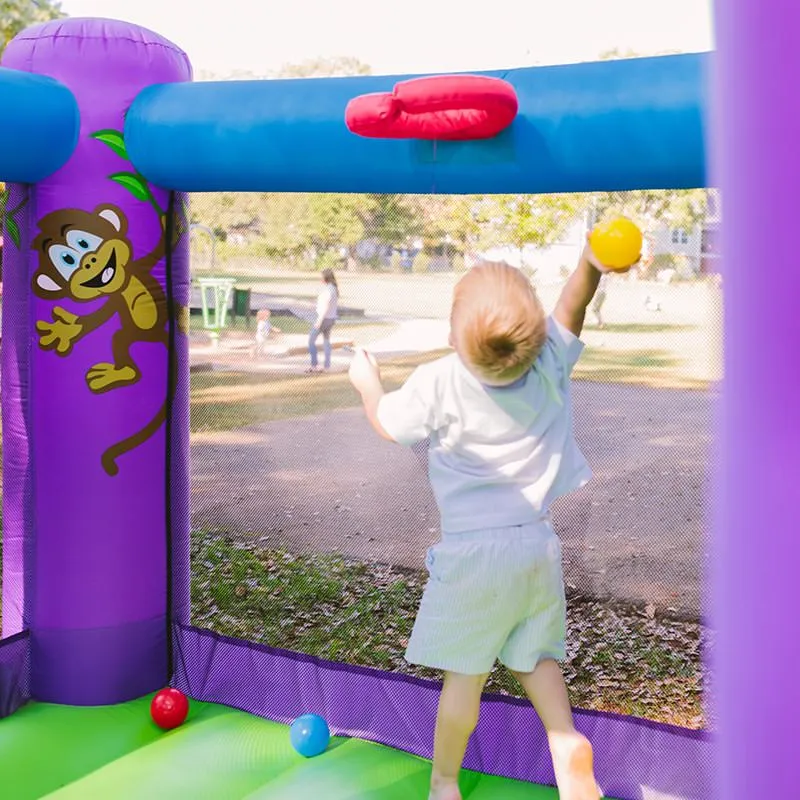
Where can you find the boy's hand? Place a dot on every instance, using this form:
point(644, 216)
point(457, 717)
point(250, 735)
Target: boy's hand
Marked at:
point(364, 371)
point(589, 255)
point(365, 375)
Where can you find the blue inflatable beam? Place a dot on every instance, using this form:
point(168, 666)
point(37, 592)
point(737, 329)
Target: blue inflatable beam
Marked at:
point(38, 128)
point(603, 126)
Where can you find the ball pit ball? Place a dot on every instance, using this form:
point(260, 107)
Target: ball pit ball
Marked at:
point(169, 708)
point(309, 735)
point(617, 244)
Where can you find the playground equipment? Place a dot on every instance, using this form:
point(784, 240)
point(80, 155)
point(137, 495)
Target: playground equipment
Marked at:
point(95, 457)
point(215, 293)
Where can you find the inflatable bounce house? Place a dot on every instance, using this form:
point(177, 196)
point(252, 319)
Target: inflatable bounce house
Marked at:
point(101, 135)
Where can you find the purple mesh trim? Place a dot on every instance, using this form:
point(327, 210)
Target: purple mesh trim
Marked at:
point(179, 428)
point(635, 759)
point(15, 662)
point(17, 498)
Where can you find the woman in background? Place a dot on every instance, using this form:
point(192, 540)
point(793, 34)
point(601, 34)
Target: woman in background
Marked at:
point(327, 313)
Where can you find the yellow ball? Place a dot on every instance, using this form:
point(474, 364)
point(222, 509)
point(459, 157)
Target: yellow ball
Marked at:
point(617, 244)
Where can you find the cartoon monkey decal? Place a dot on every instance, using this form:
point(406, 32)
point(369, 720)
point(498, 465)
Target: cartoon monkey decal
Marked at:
point(87, 256)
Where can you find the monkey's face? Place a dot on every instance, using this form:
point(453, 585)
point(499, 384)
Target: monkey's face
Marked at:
point(82, 255)
point(91, 265)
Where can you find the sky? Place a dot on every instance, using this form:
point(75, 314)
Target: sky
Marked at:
point(400, 36)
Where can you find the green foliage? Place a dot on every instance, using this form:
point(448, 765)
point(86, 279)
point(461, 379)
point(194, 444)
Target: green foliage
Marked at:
point(675, 208)
point(322, 67)
point(338, 220)
point(422, 263)
point(391, 218)
point(16, 15)
point(537, 220)
point(464, 220)
point(307, 229)
point(325, 67)
point(328, 259)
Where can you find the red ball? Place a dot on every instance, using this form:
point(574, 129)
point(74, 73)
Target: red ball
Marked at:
point(169, 708)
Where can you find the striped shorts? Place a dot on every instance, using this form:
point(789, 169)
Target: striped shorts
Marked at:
point(492, 594)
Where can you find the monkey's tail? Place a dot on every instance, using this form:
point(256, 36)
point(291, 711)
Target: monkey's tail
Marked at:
point(109, 458)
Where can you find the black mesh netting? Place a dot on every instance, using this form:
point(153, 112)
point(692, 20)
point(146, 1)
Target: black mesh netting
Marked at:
point(309, 532)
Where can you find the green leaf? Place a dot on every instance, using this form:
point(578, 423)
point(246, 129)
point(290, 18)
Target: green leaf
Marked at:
point(114, 140)
point(134, 184)
point(13, 230)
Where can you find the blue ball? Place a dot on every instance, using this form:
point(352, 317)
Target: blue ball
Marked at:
point(309, 735)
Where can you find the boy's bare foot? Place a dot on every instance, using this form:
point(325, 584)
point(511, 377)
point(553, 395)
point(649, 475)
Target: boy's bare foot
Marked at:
point(444, 790)
point(573, 761)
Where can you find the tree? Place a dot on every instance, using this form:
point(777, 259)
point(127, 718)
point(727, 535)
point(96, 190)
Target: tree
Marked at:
point(538, 220)
point(679, 208)
point(325, 67)
point(615, 54)
point(16, 15)
point(337, 220)
point(202, 75)
point(284, 227)
point(392, 219)
point(463, 220)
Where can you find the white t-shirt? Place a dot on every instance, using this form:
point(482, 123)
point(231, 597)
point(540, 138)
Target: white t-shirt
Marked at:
point(328, 302)
point(497, 456)
point(262, 329)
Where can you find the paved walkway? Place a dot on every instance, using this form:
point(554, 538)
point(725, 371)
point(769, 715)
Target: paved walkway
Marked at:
point(329, 484)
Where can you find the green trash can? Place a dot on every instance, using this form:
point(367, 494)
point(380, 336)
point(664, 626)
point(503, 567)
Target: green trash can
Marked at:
point(241, 305)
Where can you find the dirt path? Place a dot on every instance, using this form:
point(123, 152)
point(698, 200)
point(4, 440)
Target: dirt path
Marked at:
point(329, 484)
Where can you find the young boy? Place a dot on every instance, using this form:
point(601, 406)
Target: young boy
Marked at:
point(264, 328)
point(498, 414)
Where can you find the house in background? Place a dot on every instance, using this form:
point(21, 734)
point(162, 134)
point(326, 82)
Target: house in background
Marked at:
point(684, 244)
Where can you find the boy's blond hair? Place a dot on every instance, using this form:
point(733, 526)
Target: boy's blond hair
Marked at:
point(497, 322)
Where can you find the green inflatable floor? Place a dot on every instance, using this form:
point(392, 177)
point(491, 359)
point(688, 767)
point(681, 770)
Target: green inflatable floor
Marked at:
point(117, 753)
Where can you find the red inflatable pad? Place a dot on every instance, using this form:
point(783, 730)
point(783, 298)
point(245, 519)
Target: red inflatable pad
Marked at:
point(453, 107)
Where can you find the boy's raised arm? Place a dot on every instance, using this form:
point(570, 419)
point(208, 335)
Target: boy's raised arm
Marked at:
point(578, 292)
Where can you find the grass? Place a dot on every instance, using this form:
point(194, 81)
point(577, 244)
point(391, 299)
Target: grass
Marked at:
point(642, 328)
point(364, 331)
point(227, 400)
point(650, 367)
point(619, 660)
point(233, 399)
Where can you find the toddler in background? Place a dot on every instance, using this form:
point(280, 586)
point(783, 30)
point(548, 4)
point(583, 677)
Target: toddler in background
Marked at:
point(264, 328)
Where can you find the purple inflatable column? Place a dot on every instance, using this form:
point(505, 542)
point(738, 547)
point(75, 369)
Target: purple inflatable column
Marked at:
point(757, 547)
point(104, 516)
